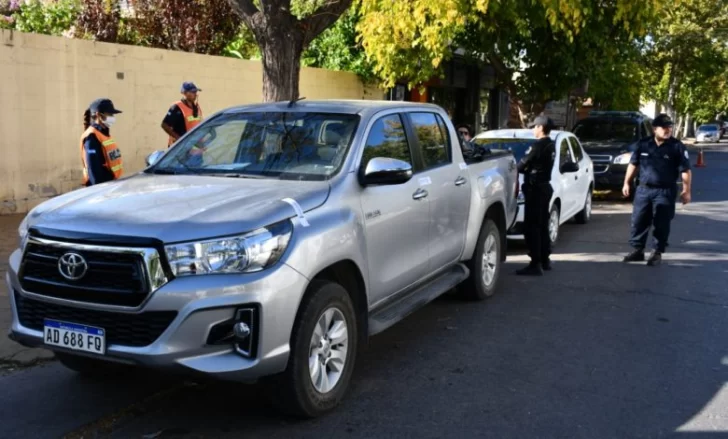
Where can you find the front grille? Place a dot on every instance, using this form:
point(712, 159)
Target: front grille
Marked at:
point(134, 330)
point(596, 158)
point(111, 278)
point(598, 169)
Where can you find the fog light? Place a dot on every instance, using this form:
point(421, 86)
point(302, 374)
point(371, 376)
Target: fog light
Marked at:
point(242, 330)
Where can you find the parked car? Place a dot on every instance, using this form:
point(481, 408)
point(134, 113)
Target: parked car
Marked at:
point(609, 138)
point(305, 228)
point(709, 132)
point(572, 177)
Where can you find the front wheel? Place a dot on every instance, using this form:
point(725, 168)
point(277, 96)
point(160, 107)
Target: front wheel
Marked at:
point(584, 215)
point(323, 352)
point(486, 264)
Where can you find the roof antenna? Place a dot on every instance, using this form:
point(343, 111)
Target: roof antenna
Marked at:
point(293, 101)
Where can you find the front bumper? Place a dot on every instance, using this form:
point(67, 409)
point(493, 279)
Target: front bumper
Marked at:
point(187, 313)
point(609, 176)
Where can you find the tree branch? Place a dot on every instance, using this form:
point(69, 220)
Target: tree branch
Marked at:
point(245, 8)
point(322, 18)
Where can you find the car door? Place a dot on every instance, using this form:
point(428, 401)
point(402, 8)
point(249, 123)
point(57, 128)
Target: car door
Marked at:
point(447, 185)
point(396, 217)
point(583, 176)
point(568, 180)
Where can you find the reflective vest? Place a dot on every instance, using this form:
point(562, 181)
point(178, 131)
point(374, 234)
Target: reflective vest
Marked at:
point(190, 120)
point(112, 155)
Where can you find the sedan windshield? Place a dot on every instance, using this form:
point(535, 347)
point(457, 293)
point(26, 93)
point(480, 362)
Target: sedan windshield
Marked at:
point(517, 146)
point(285, 145)
point(606, 130)
point(704, 128)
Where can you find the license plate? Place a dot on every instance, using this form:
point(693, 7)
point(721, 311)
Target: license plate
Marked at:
point(74, 336)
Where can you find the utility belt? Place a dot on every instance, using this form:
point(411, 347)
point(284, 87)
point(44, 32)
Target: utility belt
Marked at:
point(657, 186)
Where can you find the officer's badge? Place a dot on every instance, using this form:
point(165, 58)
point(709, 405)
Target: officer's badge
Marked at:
point(686, 154)
point(666, 157)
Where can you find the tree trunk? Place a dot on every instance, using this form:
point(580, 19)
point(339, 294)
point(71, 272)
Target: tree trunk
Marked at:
point(688, 123)
point(282, 66)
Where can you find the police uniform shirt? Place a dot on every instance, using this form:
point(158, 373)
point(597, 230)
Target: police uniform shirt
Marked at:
point(660, 166)
point(538, 162)
point(175, 119)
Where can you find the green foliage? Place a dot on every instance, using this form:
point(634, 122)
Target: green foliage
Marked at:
point(337, 48)
point(100, 20)
point(243, 45)
point(49, 18)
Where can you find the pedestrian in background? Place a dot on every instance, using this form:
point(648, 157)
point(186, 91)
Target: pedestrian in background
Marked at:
point(184, 114)
point(100, 155)
point(536, 167)
point(657, 162)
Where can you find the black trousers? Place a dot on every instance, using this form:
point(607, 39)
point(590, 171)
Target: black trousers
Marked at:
point(536, 221)
point(652, 207)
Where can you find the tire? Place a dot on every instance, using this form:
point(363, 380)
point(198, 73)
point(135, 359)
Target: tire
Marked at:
point(554, 211)
point(91, 367)
point(584, 215)
point(293, 391)
point(487, 254)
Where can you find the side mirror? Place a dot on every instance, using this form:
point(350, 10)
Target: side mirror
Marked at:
point(385, 171)
point(154, 157)
point(569, 167)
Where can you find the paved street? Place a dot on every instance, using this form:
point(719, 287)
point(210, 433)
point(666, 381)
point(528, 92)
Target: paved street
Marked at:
point(595, 349)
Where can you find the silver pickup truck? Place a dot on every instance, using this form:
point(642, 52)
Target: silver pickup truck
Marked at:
point(267, 244)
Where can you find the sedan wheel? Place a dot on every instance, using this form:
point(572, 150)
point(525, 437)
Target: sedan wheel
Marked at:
point(554, 225)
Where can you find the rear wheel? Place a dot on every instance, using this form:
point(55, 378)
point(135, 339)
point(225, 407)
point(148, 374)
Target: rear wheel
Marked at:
point(323, 352)
point(554, 224)
point(486, 264)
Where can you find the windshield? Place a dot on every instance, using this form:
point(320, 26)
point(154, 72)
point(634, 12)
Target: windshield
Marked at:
point(517, 146)
point(285, 145)
point(606, 130)
point(708, 128)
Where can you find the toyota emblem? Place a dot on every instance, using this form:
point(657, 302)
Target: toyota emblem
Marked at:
point(72, 266)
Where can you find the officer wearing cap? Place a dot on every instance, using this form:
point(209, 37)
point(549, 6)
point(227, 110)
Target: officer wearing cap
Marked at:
point(100, 155)
point(184, 114)
point(657, 161)
point(537, 166)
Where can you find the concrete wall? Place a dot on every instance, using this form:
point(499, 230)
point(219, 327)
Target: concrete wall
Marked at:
point(46, 83)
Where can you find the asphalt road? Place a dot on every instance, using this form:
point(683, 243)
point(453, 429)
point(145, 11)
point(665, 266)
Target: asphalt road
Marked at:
point(595, 349)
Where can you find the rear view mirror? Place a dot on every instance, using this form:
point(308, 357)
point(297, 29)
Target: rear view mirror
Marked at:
point(569, 167)
point(154, 157)
point(385, 171)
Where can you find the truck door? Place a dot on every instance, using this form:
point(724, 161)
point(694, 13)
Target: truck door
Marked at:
point(396, 217)
point(448, 187)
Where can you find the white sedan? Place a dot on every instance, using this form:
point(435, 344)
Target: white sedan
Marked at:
point(572, 177)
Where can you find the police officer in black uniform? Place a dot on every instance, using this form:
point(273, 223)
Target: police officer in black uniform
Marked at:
point(537, 166)
point(658, 160)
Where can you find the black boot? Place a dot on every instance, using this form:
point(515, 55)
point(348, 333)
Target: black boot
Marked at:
point(530, 270)
point(546, 265)
point(635, 256)
point(655, 259)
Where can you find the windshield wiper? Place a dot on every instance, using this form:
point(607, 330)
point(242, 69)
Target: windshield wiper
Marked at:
point(164, 171)
point(235, 175)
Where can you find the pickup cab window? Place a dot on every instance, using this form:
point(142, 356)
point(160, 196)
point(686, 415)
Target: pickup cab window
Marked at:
point(432, 141)
point(387, 138)
point(282, 145)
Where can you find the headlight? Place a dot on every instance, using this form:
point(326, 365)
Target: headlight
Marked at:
point(623, 159)
point(23, 233)
point(247, 253)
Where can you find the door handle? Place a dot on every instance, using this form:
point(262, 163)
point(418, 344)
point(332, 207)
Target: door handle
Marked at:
point(460, 181)
point(576, 177)
point(420, 193)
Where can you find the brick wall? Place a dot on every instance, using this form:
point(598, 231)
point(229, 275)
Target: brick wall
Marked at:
point(46, 83)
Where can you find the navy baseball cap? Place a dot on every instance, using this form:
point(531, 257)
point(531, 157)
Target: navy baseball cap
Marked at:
point(542, 120)
point(104, 106)
point(662, 120)
point(189, 86)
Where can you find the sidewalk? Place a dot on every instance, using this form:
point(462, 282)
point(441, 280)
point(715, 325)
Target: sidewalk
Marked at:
point(12, 354)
